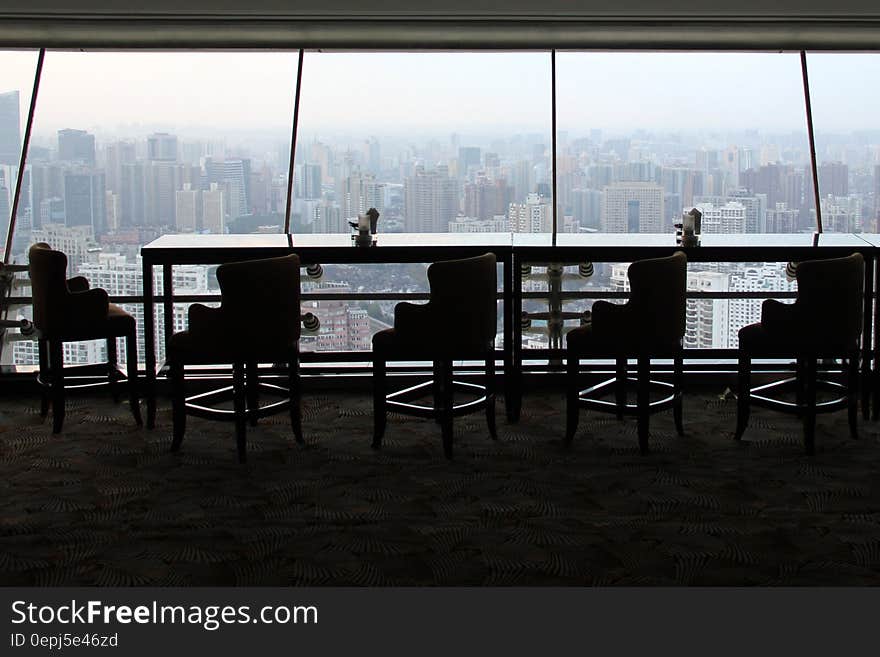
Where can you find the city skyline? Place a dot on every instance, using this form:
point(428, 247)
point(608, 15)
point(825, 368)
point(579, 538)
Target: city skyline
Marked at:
point(428, 92)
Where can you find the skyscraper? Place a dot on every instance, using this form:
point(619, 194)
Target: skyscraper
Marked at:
point(533, 216)
point(76, 146)
point(10, 128)
point(84, 198)
point(633, 208)
point(431, 201)
point(162, 146)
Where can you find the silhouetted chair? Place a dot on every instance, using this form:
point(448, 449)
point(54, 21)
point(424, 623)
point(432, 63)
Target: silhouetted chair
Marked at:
point(650, 324)
point(67, 310)
point(458, 322)
point(824, 322)
point(258, 321)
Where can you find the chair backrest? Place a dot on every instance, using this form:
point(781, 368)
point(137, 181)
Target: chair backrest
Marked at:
point(260, 300)
point(48, 273)
point(464, 301)
point(830, 300)
point(657, 300)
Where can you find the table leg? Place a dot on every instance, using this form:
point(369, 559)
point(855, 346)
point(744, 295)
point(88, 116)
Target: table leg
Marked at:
point(167, 304)
point(867, 335)
point(874, 363)
point(149, 344)
point(513, 408)
point(507, 301)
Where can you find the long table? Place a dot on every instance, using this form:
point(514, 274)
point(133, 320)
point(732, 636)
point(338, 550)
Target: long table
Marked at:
point(513, 251)
point(190, 249)
point(629, 247)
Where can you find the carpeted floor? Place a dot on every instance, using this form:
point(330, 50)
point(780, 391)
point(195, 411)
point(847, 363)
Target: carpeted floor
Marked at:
point(105, 503)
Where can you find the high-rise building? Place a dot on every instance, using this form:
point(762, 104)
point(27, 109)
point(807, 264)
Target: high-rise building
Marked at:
point(307, 181)
point(76, 146)
point(10, 128)
point(468, 158)
point(484, 198)
point(163, 181)
point(358, 193)
point(232, 176)
point(430, 200)
point(533, 216)
point(84, 198)
point(633, 208)
point(162, 146)
point(132, 195)
point(214, 210)
point(833, 179)
point(497, 224)
point(188, 208)
point(729, 218)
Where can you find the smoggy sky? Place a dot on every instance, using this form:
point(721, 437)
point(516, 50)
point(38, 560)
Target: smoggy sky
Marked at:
point(438, 93)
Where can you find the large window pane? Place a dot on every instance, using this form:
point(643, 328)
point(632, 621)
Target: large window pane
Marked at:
point(846, 102)
point(129, 146)
point(17, 70)
point(436, 142)
point(644, 137)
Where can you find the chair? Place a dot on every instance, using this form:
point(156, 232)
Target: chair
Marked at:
point(458, 322)
point(650, 324)
point(825, 321)
point(258, 321)
point(67, 310)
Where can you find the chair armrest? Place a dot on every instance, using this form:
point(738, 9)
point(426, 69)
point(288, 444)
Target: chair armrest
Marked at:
point(78, 284)
point(414, 320)
point(201, 317)
point(88, 306)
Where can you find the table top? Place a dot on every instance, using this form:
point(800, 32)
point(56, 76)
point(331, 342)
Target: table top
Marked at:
point(190, 248)
point(767, 247)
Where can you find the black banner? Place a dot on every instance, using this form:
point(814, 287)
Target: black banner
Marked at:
point(488, 621)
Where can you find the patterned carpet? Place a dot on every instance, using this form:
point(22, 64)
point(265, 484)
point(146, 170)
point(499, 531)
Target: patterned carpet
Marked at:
point(106, 504)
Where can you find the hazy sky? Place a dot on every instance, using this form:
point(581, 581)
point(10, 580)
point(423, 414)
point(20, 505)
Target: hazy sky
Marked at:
point(398, 93)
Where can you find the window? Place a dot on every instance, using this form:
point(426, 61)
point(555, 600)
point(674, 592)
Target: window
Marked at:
point(128, 146)
point(845, 104)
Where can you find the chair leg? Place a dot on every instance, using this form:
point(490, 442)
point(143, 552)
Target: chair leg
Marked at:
point(743, 394)
point(490, 395)
point(852, 395)
point(239, 403)
point(131, 365)
point(643, 401)
point(293, 384)
point(178, 405)
point(56, 362)
point(677, 390)
point(44, 377)
point(810, 407)
point(252, 386)
point(799, 379)
point(620, 387)
point(439, 382)
point(572, 403)
point(112, 372)
point(448, 399)
point(379, 407)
